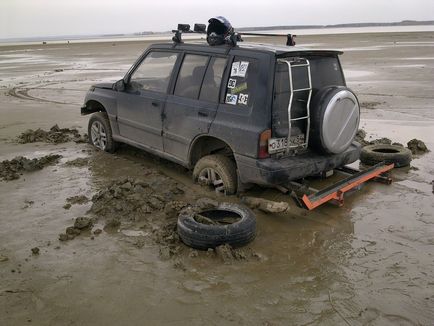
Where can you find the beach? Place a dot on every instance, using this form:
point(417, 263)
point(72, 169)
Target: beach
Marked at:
point(370, 262)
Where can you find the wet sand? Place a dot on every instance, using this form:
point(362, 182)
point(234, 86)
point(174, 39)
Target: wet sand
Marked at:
point(368, 263)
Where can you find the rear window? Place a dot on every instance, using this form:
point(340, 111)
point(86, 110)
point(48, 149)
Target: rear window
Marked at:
point(325, 71)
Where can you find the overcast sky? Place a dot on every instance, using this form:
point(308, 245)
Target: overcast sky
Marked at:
point(29, 18)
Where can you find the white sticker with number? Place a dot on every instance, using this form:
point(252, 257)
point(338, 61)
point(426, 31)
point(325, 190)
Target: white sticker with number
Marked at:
point(235, 68)
point(243, 98)
point(243, 68)
point(231, 99)
point(232, 83)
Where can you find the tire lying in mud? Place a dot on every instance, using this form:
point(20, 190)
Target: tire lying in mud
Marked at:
point(335, 117)
point(100, 132)
point(225, 224)
point(373, 154)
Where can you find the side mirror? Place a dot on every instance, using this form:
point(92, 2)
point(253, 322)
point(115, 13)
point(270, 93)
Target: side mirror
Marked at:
point(119, 85)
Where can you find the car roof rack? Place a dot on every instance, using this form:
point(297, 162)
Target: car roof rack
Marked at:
point(185, 28)
point(201, 29)
point(290, 38)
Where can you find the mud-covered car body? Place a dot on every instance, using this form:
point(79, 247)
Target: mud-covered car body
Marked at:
point(240, 112)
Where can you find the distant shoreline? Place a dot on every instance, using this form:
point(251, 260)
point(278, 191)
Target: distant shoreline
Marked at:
point(404, 26)
point(350, 25)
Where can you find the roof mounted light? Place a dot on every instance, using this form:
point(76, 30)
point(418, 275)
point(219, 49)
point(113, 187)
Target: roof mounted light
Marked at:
point(184, 28)
point(200, 28)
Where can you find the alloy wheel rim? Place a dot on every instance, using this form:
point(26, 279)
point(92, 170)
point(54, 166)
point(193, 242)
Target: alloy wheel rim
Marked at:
point(210, 177)
point(98, 134)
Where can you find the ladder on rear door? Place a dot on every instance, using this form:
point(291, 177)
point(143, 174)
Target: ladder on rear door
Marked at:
point(299, 63)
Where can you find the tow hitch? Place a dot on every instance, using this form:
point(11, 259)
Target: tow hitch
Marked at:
point(311, 198)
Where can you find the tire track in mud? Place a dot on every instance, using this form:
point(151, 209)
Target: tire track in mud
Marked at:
point(22, 92)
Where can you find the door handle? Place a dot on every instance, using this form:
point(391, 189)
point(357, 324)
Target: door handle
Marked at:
point(155, 103)
point(203, 113)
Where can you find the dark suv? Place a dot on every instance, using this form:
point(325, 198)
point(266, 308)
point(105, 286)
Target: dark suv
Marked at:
point(236, 115)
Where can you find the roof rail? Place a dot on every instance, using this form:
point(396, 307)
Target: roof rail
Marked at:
point(290, 38)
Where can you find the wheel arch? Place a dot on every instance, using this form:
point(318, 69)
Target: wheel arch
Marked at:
point(204, 145)
point(92, 106)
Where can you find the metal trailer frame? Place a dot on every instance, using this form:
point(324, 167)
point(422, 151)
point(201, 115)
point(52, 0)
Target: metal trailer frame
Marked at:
point(311, 198)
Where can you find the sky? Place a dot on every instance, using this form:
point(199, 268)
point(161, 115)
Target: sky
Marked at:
point(35, 18)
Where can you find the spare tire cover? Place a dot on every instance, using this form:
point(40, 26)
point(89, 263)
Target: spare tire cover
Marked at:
point(335, 117)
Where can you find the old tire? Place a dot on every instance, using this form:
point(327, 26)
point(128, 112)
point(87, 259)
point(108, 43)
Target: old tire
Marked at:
point(335, 117)
point(100, 132)
point(217, 171)
point(373, 154)
point(203, 236)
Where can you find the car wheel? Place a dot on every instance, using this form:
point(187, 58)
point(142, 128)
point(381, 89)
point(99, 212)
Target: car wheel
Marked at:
point(218, 172)
point(373, 154)
point(227, 223)
point(100, 133)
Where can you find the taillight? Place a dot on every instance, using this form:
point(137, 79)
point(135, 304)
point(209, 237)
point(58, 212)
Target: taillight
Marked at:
point(263, 144)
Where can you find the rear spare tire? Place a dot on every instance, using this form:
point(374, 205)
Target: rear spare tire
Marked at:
point(335, 117)
point(373, 154)
point(227, 223)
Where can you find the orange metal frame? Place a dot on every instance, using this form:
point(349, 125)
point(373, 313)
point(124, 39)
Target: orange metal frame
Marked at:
point(337, 193)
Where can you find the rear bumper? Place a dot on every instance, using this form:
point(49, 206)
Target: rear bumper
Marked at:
point(270, 171)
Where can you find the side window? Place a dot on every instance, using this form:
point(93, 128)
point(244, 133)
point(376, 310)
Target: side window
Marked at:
point(154, 72)
point(213, 78)
point(240, 88)
point(191, 75)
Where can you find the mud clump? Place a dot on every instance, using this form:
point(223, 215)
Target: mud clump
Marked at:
point(360, 137)
point(35, 251)
point(132, 200)
point(78, 162)
point(77, 200)
point(417, 147)
point(81, 224)
point(55, 135)
point(12, 169)
point(228, 254)
point(267, 206)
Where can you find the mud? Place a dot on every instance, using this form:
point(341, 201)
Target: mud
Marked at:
point(77, 200)
point(417, 147)
point(55, 135)
point(78, 162)
point(13, 169)
point(267, 206)
point(367, 263)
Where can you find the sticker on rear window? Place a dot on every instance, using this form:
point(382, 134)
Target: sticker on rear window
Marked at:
point(231, 99)
point(243, 99)
point(239, 88)
point(232, 83)
point(243, 68)
point(235, 68)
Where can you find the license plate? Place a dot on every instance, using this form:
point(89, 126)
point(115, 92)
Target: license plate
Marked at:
point(276, 145)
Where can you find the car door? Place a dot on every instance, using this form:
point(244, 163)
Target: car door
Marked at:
point(140, 105)
point(192, 107)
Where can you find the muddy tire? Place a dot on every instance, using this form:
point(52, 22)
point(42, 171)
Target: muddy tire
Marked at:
point(100, 132)
point(217, 171)
point(373, 154)
point(203, 236)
